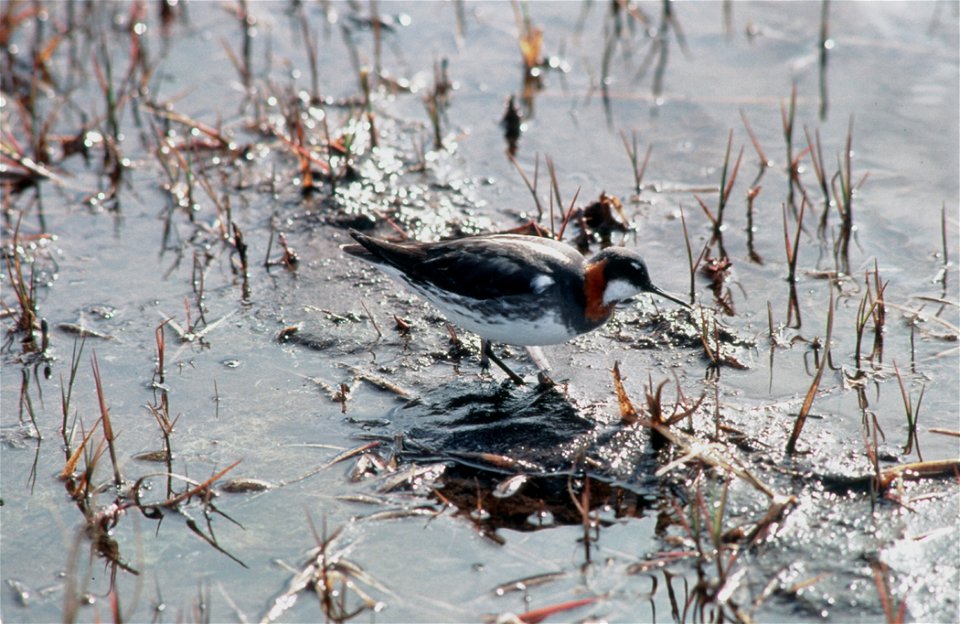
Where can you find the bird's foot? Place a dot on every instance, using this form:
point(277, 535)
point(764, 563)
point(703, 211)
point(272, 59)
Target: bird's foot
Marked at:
point(484, 359)
point(544, 382)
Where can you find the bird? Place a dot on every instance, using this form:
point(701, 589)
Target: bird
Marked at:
point(511, 288)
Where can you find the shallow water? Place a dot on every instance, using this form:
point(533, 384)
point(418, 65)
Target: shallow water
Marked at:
point(458, 500)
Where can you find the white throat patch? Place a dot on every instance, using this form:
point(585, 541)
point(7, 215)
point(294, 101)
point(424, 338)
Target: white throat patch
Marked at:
point(618, 290)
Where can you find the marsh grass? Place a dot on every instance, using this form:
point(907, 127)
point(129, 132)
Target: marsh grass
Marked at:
point(727, 179)
point(814, 385)
point(638, 167)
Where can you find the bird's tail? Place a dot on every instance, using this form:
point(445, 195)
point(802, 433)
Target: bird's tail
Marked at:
point(364, 250)
point(402, 256)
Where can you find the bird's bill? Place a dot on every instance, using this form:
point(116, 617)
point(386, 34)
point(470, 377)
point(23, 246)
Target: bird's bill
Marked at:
point(667, 295)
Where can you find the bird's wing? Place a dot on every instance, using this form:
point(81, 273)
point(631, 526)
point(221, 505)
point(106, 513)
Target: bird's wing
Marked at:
point(484, 267)
point(495, 266)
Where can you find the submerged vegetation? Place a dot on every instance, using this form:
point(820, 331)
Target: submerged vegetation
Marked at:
point(177, 179)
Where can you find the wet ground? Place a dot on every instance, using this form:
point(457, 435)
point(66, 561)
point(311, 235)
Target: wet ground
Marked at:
point(210, 413)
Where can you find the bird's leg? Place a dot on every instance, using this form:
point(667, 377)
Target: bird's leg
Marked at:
point(539, 359)
point(543, 366)
point(488, 354)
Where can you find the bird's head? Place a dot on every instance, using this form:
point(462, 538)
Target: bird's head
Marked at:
point(625, 275)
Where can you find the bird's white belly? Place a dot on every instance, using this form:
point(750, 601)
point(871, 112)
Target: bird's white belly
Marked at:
point(546, 330)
